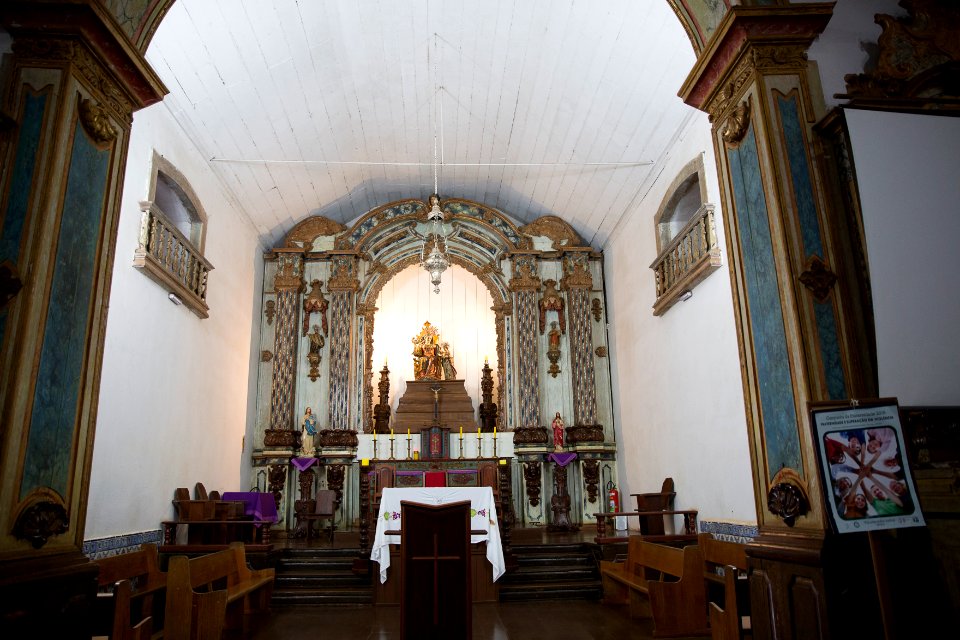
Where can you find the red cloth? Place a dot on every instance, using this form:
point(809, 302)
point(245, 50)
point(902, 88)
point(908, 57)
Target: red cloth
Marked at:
point(434, 479)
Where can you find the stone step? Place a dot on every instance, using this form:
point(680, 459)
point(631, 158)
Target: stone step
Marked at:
point(550, 574)
point(326, 596)
point(312, 580)
point(552, 591)
point(541, 560)
point(314, 564)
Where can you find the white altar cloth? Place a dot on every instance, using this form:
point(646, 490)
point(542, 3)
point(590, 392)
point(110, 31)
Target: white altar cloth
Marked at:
point(483, 512)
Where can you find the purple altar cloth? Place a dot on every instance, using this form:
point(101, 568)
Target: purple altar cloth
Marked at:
point(259, 505)
point(302, 464)
point(563, 459)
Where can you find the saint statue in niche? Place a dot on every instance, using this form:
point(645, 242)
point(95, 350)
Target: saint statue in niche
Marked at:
point(432, 360)
point(308, 427)
point(557, 425)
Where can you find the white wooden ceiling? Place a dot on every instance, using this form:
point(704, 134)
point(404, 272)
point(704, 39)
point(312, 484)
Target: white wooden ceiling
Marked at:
point(335, 107)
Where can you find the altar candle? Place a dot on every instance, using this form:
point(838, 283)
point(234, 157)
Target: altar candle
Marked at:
point(461, 431)
point(408, 432)
point(391, 433)
point(494, 433)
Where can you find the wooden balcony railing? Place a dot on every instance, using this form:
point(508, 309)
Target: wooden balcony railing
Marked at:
point(689, 258)
point(166, 256)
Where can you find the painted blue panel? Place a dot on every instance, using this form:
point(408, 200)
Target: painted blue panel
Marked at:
point(55, 401)
point(830, 350)
point(766, 317)
point(800, 175)
point(21, 184)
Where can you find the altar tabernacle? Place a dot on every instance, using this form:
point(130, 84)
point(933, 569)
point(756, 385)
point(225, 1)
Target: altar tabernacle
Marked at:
point(420, 406)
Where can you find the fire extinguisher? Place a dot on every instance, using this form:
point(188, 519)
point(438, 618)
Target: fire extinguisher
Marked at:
point(613, 497)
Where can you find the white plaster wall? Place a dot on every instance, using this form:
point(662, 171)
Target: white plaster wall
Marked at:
point(678, 399)
point(909, 181)
point(173, 393)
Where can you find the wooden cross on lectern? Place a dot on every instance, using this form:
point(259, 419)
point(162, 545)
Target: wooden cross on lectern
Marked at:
point(436, 558)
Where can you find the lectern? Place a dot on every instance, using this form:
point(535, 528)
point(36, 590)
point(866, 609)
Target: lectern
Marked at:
point(435, 602)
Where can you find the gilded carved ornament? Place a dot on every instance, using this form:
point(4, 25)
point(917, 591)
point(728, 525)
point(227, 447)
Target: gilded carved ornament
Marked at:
point(315, 302)
point(266, 356)
point(552, 300)
point(289, 272)
point(343, 278)
point(917, 60)
point(524, 275)
point(270, 310)
point(96, 122)
point(555, 228)
point(787, 496)
point(736, 125)
point(40, 520)
point(601, 351)
point(766, 59)
point(576, 274)
point(597, 309)
point(305, 232)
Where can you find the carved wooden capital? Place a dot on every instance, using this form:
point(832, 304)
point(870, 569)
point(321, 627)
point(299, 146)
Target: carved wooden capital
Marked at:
point(281, 438)
point(736, 124)
point(585, 433)
point(530, 435)
point(524, 275)
point(289, 272)
point(338, 438)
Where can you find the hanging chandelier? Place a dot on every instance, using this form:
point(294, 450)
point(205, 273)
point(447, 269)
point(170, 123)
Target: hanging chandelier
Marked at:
point(436, 262)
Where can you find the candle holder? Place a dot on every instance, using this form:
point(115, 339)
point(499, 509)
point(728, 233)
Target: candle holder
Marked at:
point(391, 449)
point(409, 454)
point(375, 438)
point(460, 457)
point(494, 445)
point(479, 445)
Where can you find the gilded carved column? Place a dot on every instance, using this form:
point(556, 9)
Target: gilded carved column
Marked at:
point(502, 316)
point(367, 313)
point(526, 285)
point(796, 343)
point(578, 283)
point(288, 285)
point(69, 90)
point(343, 287)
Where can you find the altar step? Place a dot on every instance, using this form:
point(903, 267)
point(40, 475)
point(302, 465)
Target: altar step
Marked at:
point(552, 572)
point(319, 576)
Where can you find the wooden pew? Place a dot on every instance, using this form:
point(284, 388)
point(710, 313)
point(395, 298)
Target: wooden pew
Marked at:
point(210, 593)
point(129, 585)
point(665, 583)
point(728, 591)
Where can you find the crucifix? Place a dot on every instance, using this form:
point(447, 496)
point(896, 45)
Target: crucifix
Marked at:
point(436, 403)
point(436, 558)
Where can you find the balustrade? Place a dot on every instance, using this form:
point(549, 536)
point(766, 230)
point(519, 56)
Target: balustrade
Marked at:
point(689, 258)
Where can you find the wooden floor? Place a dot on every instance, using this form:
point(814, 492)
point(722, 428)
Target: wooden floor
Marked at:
point(553, 620)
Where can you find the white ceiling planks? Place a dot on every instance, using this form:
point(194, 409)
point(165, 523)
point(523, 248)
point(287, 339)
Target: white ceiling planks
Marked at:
point(333, 106)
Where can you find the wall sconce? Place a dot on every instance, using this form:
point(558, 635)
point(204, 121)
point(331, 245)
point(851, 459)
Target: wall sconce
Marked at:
point(686, 295)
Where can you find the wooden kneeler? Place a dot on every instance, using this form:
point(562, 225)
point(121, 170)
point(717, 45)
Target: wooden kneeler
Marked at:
point(435, 601)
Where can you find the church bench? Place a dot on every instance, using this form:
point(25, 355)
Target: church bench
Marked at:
point(689, 534)
point(662, 582)
point(129, 584)
point(727, 588)
point(210, 593)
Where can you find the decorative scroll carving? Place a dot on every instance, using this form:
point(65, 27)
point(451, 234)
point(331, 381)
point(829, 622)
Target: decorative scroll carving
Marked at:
point(787, 496)
point(737, 124)
point(818, 278)
point(531, 474)
point(338, 438)
point(289, 272)
point(557, 229)
point(266, 355)
point(96, 122)
point(314, 302)
point(917, 59)
point(335, 474)
point(585, 433)
point(760, 58)
point(304, 233)
point(270, 310)
point(552, 301)
point(38, 522)
point(597, 309)
point(344, 277)
point(576, 272)
point(530, 436)
point(591, 477)
point(601, 351)
point(276, 481)
point(524, 275)
point(367, 313)
point(281, 438)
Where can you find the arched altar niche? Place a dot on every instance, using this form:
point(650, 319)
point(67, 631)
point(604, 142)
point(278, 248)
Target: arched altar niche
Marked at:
point(462, 313)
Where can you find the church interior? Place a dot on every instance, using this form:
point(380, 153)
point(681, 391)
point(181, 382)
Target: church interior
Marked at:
point(562, 255)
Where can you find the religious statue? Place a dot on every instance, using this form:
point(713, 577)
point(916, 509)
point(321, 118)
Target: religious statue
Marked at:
point(431, 359)
point(446, 362)
point(557, 425)
point(308, 425)
point(313, 356)
point(552, 301)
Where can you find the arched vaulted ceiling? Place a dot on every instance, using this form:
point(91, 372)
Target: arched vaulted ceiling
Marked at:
point(336, 107)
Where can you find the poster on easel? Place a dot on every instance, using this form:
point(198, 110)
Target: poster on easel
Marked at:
point(864, 467)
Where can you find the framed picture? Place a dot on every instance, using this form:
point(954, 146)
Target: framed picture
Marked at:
point(864, 466)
